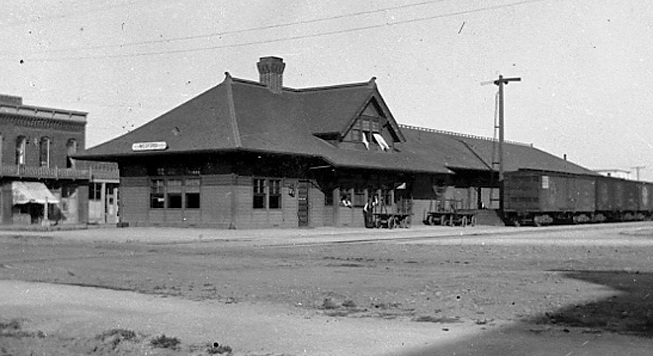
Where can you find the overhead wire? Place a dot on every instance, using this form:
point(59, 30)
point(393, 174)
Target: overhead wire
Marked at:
point(66, 15)
point(232, 32)
point(282, 39)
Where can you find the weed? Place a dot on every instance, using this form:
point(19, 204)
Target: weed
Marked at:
point(164, 342)
point(349, 304)
point(215, 348)
point(328, 303)
point(121, 333)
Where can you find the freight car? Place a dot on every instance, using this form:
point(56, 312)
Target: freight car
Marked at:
point(540, 197)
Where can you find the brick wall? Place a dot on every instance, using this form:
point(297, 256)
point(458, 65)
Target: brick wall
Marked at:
point(59, 134)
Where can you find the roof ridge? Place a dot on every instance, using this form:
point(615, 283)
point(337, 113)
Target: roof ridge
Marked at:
point(370, 83)
point(336, 86)
point(228, 80)
point(458, 134)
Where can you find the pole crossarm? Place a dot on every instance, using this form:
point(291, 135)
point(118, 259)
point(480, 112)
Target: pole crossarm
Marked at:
point(506, 80)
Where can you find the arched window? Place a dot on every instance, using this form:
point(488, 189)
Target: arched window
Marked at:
point(21, 146)
point(44, 152)
point(71, 148)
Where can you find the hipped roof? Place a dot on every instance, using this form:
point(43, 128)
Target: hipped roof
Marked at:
point(242, 115)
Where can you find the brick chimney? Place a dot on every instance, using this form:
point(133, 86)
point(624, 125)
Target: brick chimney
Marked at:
point(270, 71)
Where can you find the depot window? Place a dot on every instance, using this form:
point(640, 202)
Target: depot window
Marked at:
point(359, 197)
point(266, 193)
point(175, 193)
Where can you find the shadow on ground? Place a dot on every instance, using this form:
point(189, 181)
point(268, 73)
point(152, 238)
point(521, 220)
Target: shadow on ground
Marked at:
point(621, 324)
point(628, 312)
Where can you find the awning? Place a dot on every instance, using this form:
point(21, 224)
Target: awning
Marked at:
point(32, 192)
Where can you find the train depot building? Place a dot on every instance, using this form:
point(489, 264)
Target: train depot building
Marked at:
point(257, 154)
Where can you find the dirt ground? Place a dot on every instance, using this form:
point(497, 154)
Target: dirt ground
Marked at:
point(585, 291)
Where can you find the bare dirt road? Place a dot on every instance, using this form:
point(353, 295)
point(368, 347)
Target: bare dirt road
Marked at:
point(584, 291)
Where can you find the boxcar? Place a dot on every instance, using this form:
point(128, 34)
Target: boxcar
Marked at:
point(540, 197)
point(617, 199)
point(644, 200)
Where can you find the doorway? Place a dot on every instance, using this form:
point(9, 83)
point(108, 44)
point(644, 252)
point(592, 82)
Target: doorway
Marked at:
point(302, 203)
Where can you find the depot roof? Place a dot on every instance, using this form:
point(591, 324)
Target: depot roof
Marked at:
point(243, 115)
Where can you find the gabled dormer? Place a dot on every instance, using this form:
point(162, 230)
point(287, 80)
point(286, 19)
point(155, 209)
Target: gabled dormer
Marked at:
point(373, 128)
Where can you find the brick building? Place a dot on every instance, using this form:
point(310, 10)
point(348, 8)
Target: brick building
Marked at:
point(247, 154)
point(40, 182)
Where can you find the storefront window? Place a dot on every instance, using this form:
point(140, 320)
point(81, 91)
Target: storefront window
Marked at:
point(95, 191)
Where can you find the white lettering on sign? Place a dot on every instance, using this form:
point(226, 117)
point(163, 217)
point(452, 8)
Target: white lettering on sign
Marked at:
point(545, 182)
point(149, 146)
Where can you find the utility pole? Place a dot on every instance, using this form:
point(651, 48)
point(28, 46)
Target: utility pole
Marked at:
point(637, 170)
point(501, 82)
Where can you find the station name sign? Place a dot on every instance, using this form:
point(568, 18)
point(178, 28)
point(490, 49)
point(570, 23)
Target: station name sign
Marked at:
point(149, 146)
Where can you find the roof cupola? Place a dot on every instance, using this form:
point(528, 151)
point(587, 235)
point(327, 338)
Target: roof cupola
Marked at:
point(271, 73)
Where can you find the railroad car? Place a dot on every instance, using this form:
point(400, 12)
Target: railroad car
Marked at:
point(645, 201)
point(617, 199)
point(540, 197)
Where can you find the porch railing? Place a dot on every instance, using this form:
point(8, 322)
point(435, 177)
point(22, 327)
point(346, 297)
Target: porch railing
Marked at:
point(21, 171)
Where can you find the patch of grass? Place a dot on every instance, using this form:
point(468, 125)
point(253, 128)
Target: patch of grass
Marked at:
point(121, 333)
point(11, 326)
point(14, 328)
point(164, 342)
point(339, 313)
point(115, 336)
point(432, 319)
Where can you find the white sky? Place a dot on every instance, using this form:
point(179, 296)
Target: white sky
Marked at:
point(586, 65)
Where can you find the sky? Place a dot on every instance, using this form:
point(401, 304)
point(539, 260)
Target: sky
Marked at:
point(586, 66)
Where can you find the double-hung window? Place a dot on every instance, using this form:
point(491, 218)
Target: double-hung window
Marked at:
point(21, 147)
point(44, 152)
point(157, 193)
point(173, 190)
point(192, 191)
point(175, 187)
point(175, 193)
point(266, 193)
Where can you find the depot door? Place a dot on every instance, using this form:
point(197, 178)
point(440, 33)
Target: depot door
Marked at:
point(302, 203)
